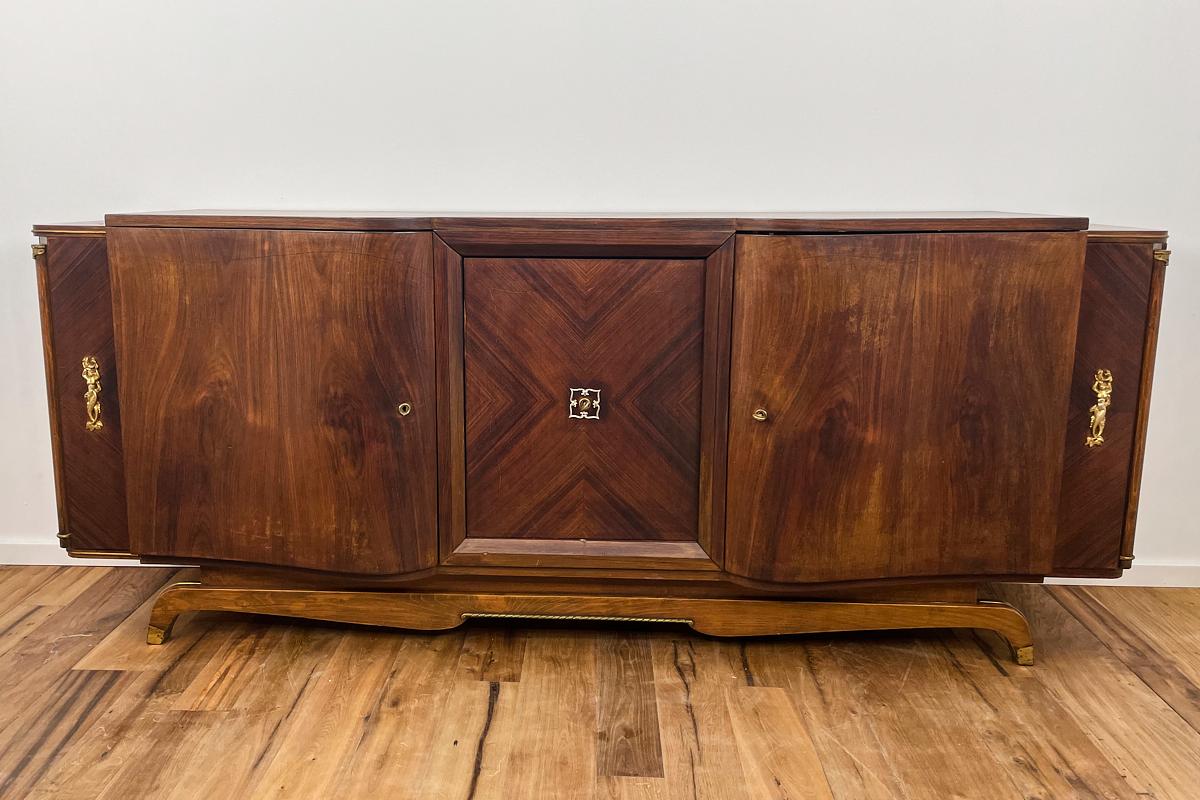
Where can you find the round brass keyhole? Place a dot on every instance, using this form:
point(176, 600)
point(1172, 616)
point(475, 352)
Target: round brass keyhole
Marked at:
point(760, 414)
point(585, 403)
point(404, 408)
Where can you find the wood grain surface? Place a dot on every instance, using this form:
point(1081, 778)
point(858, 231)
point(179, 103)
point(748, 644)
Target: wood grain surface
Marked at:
point(470, 232)
point(432, 611)
point(452, 416)
point(1113, 315)
point(915, 389)
point(1158, 276)
point(592, 240)
point(236, 707)
point(264, 374)
point(584, 238)
point(76, 307)
point(898, 372)
point(535, 329)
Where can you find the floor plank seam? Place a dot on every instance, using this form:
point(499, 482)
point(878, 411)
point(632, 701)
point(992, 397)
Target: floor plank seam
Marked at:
point(1128, 668)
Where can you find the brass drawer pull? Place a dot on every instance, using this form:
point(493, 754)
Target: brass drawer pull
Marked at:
point(1102, 386)
point(91, 397)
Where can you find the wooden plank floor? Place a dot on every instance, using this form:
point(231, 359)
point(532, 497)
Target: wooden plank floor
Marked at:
point(236, 707)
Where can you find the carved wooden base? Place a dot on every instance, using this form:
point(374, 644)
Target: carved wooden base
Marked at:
point(428, 611)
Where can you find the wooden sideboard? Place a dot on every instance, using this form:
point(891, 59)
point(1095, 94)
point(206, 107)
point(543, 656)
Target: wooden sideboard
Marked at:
point(750, 424)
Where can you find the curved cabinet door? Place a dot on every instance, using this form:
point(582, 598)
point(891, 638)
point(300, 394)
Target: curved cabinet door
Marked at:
point(278, 396)
point(898, 404)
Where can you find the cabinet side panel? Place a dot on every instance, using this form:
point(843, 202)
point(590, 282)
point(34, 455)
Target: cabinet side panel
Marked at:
point(1149, 350)
point(265, 371)
point(913, 395)
point(1112, 332)
point(77, 305)
point(43, 284)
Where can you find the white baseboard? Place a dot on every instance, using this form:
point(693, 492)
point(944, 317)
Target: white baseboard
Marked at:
point(1144, 575)
point(30, 553)
point(50, 554)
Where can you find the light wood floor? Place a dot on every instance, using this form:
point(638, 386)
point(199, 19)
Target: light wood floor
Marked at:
point(235, 707)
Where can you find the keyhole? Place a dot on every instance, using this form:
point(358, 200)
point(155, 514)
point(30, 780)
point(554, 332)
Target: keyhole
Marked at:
point(585, 403)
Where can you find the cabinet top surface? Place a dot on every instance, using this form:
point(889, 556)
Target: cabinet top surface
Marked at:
point(756, 222)
point(800, 222)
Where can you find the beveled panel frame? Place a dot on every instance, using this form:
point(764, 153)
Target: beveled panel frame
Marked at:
point(713, 242)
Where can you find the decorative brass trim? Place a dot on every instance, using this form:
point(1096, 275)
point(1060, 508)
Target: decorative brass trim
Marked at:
point(69, 232)
point(585, 404)
point(99, 554)
point(64, 541)
point(1103, 387)
point(1125, 562)
point(91, 397)
point(38, 249)
point(569, 617)
point(1162, 255)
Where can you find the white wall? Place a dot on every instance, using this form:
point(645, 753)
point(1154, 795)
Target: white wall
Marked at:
point(1063, 107)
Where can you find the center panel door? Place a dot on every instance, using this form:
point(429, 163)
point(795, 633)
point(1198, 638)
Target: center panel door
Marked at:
point(629, 329)
point(262, 400)
point(911, 398)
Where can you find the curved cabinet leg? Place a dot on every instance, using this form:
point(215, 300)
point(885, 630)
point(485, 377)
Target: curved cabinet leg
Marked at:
point(389, 609)
point(166, 610)
point(430, 611)
point(784, 617)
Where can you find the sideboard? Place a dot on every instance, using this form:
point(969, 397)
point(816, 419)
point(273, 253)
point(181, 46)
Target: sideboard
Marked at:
point(752, 425)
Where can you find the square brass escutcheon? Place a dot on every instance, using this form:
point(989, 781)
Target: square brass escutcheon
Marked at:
point(585, 404)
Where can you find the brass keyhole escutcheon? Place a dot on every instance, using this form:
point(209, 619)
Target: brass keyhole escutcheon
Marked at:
point(405, 409)
point(760, 415)
point(584, 404)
